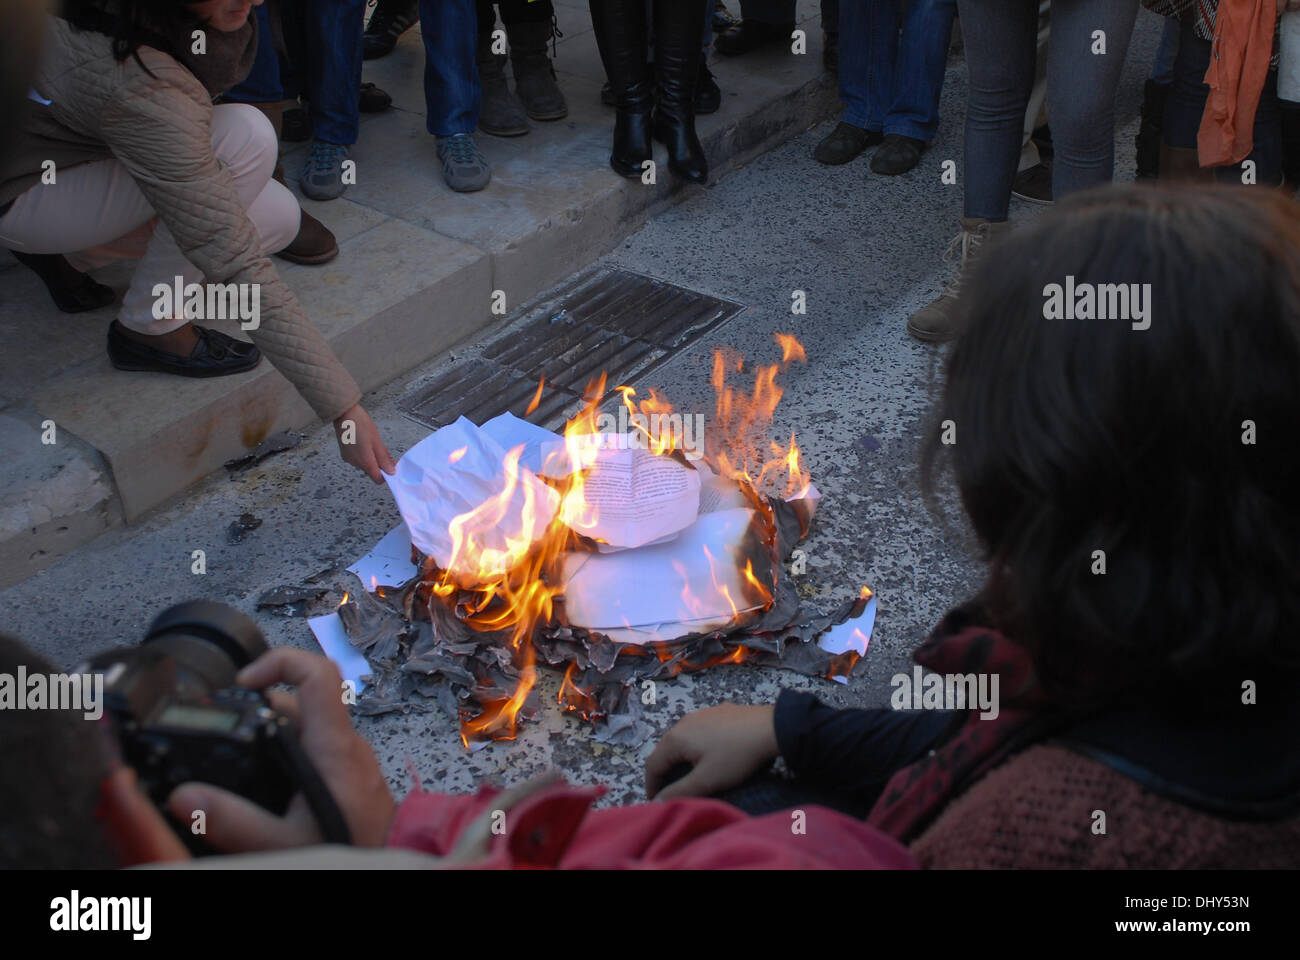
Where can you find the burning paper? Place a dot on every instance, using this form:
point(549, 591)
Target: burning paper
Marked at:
point(458, 479)
point(609, 558)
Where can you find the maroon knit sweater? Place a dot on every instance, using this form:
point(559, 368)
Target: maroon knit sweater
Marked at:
point(1036, 810)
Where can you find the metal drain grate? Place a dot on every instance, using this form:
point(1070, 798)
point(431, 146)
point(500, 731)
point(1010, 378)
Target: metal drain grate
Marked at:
point(612, 320)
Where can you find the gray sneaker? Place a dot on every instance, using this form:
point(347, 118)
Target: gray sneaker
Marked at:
point(322, 174)
point(463, 165)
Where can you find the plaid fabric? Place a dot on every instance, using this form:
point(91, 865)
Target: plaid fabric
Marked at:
point(1199, 13)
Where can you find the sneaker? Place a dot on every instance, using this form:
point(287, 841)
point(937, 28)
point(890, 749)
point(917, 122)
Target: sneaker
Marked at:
point(1034, 184)
point(845, 143)
point(322, 174)
point(391, 19)
point(897, 154)
point(938, 321)
point(463, 165)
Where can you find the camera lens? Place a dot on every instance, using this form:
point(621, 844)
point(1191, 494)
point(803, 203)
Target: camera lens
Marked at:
point(210, 643)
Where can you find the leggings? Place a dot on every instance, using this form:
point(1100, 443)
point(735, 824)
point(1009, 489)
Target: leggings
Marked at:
point(1001, 39)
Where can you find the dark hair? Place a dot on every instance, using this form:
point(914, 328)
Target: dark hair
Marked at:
point(54, 763)
point(132, 23)
point(1173, 449)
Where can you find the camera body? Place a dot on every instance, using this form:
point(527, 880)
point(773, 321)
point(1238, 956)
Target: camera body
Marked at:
point(179, 715)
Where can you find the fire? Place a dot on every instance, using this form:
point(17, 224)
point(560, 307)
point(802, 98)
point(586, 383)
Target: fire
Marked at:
point(512, 589)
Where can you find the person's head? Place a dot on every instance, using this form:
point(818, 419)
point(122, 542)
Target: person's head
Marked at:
point(67, 802)
point(132, 23)
point(1137, 488)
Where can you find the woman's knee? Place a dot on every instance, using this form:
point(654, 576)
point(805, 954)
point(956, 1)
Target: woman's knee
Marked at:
point(277, 216)
point(244, 140)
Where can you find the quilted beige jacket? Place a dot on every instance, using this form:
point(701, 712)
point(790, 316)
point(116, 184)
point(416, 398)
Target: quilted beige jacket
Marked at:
point(159, 128)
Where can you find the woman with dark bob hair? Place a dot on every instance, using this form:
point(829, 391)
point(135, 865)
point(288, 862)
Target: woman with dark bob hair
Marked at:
point(1121, 416)
point(146, 167)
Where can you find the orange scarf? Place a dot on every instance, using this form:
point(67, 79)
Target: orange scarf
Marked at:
point(1239, 62)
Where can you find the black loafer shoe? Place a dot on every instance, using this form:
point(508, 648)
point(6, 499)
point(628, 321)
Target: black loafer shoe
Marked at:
point(72, 290)
point(215, 355)
point(897, 154)
point(844, 143)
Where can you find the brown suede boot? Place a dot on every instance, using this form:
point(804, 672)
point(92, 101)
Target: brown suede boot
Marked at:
point(940, 320)
point(1182, 165)
point(314, 244)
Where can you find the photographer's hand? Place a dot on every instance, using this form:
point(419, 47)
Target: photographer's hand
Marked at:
point(341, 757)
point(725, 745)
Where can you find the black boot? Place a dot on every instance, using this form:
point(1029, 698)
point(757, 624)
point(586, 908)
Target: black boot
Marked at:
point(1147, 140)
point(677, 70)
point(620, 27)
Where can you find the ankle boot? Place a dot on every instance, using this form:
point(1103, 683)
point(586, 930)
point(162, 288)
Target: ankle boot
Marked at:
point(1147, 140)
point(500, 114)
point(314, 243)
point(1182, 165)
point(620, 28)
point(534, 75)
point(677, 70)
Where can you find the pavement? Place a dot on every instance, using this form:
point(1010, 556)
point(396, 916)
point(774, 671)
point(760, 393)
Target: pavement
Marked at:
point(865, 250)
point(419, 266)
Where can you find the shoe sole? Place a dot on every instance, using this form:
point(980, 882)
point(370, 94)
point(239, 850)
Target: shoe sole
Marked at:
point(1037, 200)
point(310, 261)
point(129, 367)
point(315, 193)
point(549, 116)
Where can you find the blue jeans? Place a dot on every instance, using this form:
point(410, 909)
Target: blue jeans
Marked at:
point(451, 89)
point(263, 84)
point(1162, 70)
point(892, 84)
point(333, 45)
point(327, 40)
point(1186, 105)
point(1001, 49)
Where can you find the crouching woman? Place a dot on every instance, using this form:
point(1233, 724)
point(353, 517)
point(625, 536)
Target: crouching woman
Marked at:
point(146, 167)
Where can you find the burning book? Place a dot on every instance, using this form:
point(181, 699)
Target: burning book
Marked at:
point(614, 558)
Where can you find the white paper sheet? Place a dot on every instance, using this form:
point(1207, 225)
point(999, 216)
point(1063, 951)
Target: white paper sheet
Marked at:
point(333, 640)
point(633, 497)
point(852, 634)
point(388, 564)
point(453, 471)
point(661, 584)
point(543, 450)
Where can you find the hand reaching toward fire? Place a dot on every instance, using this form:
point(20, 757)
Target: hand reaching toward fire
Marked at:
point(725, 745)
point(341, 757)
point(361, 445)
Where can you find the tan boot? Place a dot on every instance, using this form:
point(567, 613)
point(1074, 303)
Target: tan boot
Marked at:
point(314, 244)
point(1182, 165)
point(938, 321)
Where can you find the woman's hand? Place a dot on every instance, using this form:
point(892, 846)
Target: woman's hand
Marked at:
point(342, 758)
point(724, 745)
point(361, 445)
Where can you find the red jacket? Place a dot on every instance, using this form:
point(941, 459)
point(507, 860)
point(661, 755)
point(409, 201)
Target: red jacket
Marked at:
point(552, 826)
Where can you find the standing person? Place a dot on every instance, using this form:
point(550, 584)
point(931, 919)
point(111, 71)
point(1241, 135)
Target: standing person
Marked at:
point(765, 23)
point(621, 28)
point(1181, 157)
point(149, 168)
point(529, 27)
point(889, 83)
point(1088, 44)
point(452, 94)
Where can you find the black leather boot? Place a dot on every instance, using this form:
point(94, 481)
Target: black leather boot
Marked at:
point(620, 27)
point(677, 70)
